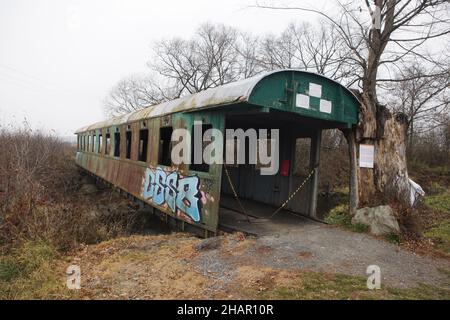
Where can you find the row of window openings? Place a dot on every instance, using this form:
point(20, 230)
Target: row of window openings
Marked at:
point(301, 161)
point(90, 143)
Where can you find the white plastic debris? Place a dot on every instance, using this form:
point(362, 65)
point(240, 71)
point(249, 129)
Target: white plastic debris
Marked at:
point(416, 192)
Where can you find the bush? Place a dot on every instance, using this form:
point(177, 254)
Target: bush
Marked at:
point(40, 199)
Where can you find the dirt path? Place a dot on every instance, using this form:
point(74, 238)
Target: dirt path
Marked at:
point(184, 267)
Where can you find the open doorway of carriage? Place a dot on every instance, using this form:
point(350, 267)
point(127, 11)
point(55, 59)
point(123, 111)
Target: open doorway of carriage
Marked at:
point(259, 196)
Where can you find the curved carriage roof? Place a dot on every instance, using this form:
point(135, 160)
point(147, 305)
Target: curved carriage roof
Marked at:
point(266, 89)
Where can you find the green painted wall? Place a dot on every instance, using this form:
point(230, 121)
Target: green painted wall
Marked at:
point(279, 90)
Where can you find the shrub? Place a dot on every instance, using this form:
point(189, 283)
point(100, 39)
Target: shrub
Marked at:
point(40, 199)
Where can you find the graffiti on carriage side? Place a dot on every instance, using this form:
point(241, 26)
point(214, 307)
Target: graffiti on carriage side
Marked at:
point(177, 192)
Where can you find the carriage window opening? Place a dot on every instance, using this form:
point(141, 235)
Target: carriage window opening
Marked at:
point(265, 144)
point(88, 143)
point(143, 142)
point(93, 143)
point(204, 167)
point(128, 145)
point(84, 143)
point(301, 156)
point(100, 143)
point(107, 143)
point(165, 135)
point(116, 144)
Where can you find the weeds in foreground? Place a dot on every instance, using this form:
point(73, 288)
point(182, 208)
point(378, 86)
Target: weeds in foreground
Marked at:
point(30, 272)
point(438, 207)
point(440, 202)
point(340, 216)
point(440, 235)
point(311, 285)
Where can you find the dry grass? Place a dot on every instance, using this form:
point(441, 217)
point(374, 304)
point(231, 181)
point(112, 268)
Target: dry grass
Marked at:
point(44, 215)
point(144, 267)
point(41, 200)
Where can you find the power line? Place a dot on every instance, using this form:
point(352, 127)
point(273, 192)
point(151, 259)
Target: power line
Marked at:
point(24, 77)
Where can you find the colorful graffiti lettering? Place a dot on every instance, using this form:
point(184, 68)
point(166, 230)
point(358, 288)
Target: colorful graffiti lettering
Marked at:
point(173, 190)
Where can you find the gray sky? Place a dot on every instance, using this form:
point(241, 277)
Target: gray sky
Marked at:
point(59, 58)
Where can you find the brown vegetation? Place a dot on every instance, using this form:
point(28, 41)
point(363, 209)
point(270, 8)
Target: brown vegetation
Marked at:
point(41, 200)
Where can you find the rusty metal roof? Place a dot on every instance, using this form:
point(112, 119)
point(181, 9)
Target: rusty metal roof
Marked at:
point(225, 94)
point(230, 93)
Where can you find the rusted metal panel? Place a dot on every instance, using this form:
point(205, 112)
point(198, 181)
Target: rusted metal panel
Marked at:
point(123, 130)
point(153, 125)
point(194, 202)
point(135, 127)
point(192, 197)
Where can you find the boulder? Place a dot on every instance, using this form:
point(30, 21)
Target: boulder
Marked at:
point(381, 220)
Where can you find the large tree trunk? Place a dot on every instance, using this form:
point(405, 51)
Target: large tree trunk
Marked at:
point(388, 181)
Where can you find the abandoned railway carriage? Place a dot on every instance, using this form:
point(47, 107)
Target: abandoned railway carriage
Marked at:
point(132, 152)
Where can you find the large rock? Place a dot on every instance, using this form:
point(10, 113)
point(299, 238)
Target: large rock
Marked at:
point(381, 220)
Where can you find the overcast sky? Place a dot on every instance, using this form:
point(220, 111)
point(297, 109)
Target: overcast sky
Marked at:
point(59, 58)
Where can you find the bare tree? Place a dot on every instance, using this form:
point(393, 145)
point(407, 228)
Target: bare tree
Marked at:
point(404, 28)
point(247, 48)
point(277, 52)
point(304, 46)
point(133, 93)
point(215, 55)
point(207, 60)
point(423, 95)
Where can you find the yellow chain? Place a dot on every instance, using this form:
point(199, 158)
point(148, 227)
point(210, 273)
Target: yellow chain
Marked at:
point(235, 193)
point(281, 207)
point(293, 194)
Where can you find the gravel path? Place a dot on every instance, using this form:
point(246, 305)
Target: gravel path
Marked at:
point(318, 247)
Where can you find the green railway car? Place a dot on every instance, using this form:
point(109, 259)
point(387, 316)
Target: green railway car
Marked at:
point(132, 152)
